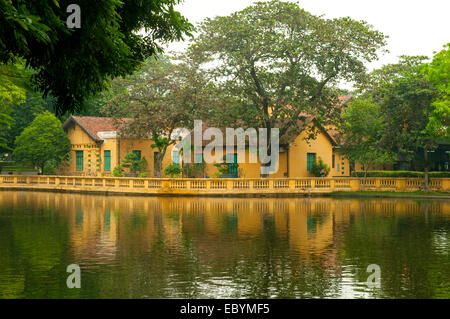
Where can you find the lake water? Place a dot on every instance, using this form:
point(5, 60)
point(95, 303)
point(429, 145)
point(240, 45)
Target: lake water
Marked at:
point(149, 247)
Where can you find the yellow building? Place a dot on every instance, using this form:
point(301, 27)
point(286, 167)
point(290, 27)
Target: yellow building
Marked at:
point(97, 149)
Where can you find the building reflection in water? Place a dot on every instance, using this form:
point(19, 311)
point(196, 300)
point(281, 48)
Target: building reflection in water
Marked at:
point(218, 231)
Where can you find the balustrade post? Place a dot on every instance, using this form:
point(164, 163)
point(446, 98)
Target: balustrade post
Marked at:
point(229, 184)
point(355, 184)
point(291, 183)
point(400, 184)
point(271, 184)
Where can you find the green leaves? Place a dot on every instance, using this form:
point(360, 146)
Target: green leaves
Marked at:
point(73, 65)
point(438, 73)
point(43, 141)
point(362, 134)
point(274, 61)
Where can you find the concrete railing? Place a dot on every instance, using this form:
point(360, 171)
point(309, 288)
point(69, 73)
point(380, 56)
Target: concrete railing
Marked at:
point(215, 186)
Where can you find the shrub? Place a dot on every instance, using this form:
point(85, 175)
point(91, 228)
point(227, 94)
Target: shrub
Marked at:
point(172, 170)
point(194, 170)
point(143, 174)
point(399, 174)
point(118, 171)
point(319, 168)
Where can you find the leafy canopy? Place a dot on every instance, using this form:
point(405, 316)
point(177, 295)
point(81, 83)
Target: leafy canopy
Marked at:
point(73, 64)
point(42, 142)
point(362, 131)
point(276, 63)
point(438, 73)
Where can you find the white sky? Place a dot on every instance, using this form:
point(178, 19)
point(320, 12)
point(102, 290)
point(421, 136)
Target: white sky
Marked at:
point(414, 27)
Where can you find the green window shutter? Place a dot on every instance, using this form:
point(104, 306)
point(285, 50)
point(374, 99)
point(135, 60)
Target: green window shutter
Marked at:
point(310, 158)
point(107, 161)
point(198, 158)
point(79, 160)
point(233, 167)
point(175, 158)
point(138, 154)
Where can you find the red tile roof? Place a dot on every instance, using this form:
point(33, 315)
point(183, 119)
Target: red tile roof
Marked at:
point(92, 125)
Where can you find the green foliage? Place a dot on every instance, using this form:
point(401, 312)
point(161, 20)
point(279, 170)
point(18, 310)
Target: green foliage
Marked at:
point(134, 164)
point(143, 174)
point(160, 97)
point(73, 64)
point(319, 168)
point(274, 62)
point(131, 162)
point(194, 170)
point(362, 131)
point(172, 170)
point(400, 174)
point(405, 98)
point(118, 171)
point(438, 73)
point(42, 142)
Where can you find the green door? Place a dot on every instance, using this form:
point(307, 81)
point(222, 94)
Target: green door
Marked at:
point(79, 160)
point(233, 167)
point(107, 161)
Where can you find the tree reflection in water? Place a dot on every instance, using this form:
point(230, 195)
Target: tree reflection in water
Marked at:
point(149, 247)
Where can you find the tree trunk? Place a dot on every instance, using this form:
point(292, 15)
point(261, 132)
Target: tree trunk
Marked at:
point(365, 178)
point(266, 167)
point(158, 165)
point(426, 186)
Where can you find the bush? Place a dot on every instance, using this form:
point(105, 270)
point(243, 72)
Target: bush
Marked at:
point(118, 171)
point(320, 169)
point(143, 174)
point(194, 170)
point(400, 174)
point(172, 170)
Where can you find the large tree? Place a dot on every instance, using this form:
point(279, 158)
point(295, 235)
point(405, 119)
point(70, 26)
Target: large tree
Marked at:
point(438, 73)
point(154, 101)
point(279, 63)
point(406, 99)
point(361, 135)
point(115, 37)
point(44, 141)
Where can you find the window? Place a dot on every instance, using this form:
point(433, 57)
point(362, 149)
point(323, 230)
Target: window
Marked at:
point(138, 154)
point(332, 161)
point(198, 158)
point(175, 158)
point(310, 159)
point(79, 160)
point(107, 161)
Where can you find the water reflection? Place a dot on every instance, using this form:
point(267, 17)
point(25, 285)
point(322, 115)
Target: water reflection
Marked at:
point(148, 247)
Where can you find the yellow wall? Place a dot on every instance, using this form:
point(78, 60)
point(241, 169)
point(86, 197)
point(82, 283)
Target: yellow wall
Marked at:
point(251, 170)
point(322, 147)
point(94, 154)
point(341, 165)
point(294, 159)
point(82, 142)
